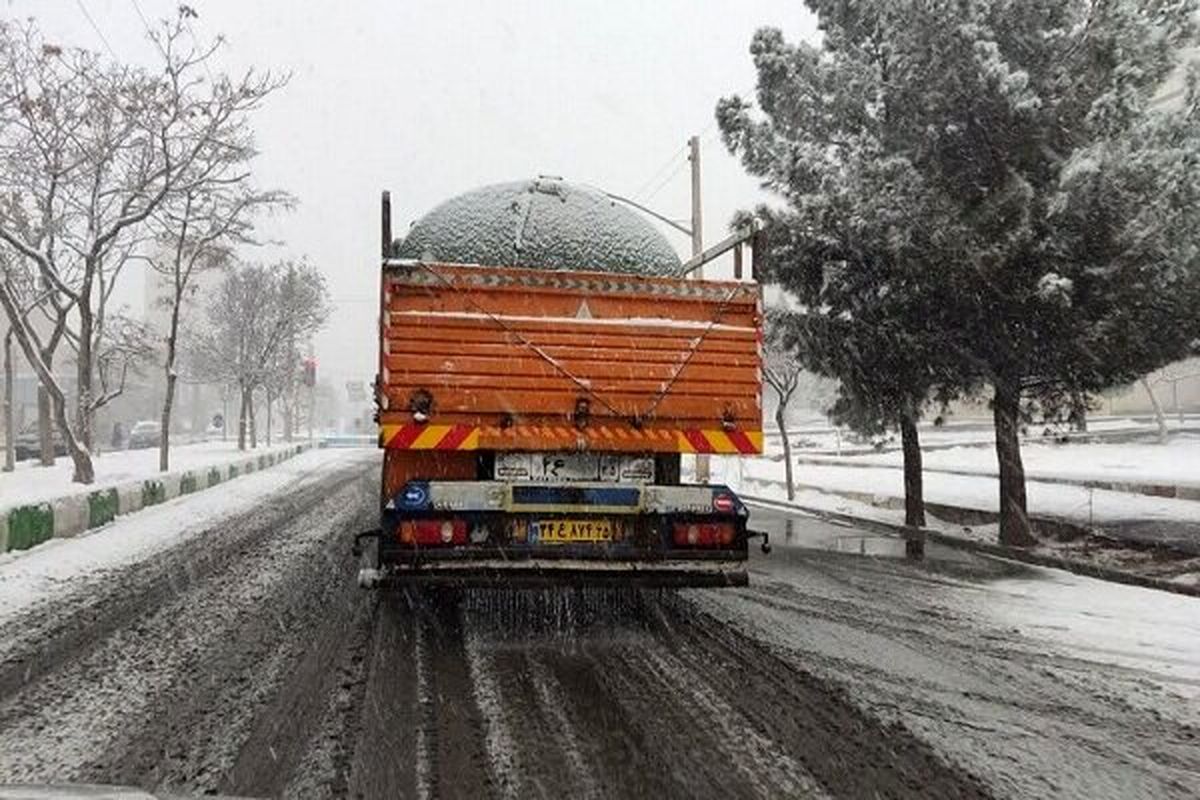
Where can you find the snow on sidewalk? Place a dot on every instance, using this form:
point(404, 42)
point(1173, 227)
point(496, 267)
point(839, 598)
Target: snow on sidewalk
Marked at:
point(30, 576)
point(820, 439)
point(1175, 463)
point(30, 483)
point(1063, 501)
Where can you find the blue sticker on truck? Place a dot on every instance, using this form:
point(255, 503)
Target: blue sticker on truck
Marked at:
point(414, 496)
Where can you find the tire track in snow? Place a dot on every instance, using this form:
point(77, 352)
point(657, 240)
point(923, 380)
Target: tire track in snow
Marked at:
point(760, 761)
point(53, 728)
point(499, 744)
point(426, 728)
point(553, 703)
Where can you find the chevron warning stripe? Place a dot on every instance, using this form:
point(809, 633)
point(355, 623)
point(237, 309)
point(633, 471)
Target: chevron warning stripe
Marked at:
point(419, 436)
point(425, 436)
point(721, 442)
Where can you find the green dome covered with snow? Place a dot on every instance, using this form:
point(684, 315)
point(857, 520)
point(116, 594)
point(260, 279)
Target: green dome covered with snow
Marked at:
point(545, 223)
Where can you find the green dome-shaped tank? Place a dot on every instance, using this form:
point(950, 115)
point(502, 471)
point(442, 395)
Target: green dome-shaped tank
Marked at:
point(545, 223)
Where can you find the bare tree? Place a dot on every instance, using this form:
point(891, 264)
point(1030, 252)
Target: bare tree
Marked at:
point(13, 278)
point(781, 371)
point(256, 312)
point(93, 149)
point(1172, 374)
point(198, 230)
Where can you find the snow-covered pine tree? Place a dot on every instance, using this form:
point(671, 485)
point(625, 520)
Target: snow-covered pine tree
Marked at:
point(856, 243)
point(1012, 150)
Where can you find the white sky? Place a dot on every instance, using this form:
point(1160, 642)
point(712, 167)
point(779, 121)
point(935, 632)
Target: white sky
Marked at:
point(431, 99)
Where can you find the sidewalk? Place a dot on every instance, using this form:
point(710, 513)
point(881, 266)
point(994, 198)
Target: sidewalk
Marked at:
point(824, 440)
point(31, 483)
point(1154, 537)
point(1158, 470)
point(41, 503)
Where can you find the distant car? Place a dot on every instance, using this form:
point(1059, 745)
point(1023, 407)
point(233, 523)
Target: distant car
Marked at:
point(146, 433)
point(28, 443)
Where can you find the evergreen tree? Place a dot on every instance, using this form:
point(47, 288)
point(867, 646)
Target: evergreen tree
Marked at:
point(1000, 160)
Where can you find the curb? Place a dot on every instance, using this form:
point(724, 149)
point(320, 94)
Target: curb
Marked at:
point(26, 526)
point(983, 548)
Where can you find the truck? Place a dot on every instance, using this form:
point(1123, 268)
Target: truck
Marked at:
point(533, 424)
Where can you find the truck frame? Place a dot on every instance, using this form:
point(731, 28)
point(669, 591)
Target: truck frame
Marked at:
point(533, 424)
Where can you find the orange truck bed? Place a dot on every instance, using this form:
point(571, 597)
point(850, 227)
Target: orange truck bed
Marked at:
point(508, 359)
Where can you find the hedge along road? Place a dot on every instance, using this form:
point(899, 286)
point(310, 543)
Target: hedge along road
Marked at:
point(242, 659)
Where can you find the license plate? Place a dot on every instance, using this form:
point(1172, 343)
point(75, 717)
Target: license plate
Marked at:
point(561, 531)
point(570, 467)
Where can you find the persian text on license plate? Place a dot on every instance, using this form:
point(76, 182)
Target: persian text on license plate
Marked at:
point(555, 531)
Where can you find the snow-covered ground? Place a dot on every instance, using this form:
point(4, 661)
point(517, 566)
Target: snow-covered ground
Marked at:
point(1177, 462)
point(965, 491)
point(879, 496)
point(30, 483)
point(1147, 631)
point(31, 576)
point(819, 438)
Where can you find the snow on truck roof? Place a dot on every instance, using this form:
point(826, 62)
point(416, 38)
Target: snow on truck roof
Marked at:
point(544, 223)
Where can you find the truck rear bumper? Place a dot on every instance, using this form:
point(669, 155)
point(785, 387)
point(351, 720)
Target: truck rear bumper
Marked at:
point(542, 572)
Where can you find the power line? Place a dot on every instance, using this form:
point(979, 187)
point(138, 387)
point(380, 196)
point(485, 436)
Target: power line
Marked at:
point(146, 25)
point(138, 9)
point(96, 28)
point(663, 183)
point(658, 172)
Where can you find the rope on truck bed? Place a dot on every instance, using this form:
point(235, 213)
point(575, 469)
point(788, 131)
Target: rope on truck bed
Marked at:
point(549, 359)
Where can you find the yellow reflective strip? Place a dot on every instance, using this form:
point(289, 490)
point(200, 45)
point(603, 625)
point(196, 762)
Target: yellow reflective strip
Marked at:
point(386, 432)
point(756, 439)
point(471, 442)
point(720, 441)
point(685, 446)
point(428, 438)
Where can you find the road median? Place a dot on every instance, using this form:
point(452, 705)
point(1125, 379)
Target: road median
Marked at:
point(28, 525)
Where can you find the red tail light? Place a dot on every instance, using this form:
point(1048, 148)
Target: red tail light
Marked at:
point(703, 534)
point(433, 532)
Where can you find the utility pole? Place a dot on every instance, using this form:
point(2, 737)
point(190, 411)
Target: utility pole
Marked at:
point(702, 464)
point(697, 224)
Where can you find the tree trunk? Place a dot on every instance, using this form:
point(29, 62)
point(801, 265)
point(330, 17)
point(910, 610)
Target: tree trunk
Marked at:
point(10, 433)
point(243, 418)
point(1159, 416)
point(83, 374)
point(1015, 529)
point(269, 420)
point(287, 418)
point(164, 443)
point(45, 428)
point(787, 451)
point(79, 454)
point(1079, 410)
point(914, 492)
point(253, 424)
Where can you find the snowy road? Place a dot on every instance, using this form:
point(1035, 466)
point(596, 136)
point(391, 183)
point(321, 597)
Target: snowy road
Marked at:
point(237, 656)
